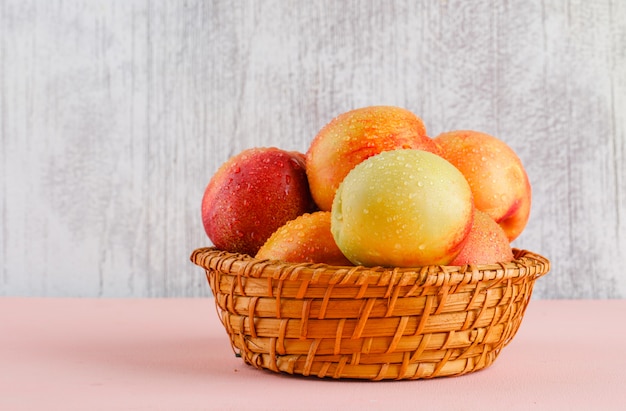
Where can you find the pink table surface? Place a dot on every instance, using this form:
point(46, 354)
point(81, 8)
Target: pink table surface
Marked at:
point(173, 354)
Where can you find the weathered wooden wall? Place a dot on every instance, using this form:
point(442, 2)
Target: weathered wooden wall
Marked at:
point(115, 114)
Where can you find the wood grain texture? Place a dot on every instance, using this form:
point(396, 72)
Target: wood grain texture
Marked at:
point(115, 114)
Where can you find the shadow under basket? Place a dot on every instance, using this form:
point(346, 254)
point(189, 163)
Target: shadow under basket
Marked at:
point(369, 323)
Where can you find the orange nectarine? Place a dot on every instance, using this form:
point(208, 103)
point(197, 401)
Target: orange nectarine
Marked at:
point(486, 243)
point(355, 136)
point(495, 173)
point(307, 238)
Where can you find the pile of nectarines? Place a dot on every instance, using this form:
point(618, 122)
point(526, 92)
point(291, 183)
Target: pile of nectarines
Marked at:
point(372, 189)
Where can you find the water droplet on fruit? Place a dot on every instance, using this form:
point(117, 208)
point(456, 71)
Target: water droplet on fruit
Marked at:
point(420, 184)
point(288, 179)
point(366, 211)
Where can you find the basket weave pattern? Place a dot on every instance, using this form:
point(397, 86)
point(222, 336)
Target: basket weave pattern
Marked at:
point(369, 323)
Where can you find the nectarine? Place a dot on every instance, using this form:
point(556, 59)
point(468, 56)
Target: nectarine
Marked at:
point(486, 243)
point(354, 136)
point(251, 195)
point(495, 173)
point(307, 238)
point(402, 208)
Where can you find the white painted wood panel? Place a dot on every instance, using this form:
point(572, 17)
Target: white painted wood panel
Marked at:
point(115, 114)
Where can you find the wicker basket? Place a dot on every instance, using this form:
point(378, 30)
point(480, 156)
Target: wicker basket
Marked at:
point(369, 323)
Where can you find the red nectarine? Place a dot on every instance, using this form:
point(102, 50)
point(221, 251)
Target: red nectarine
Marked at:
point(251, 195)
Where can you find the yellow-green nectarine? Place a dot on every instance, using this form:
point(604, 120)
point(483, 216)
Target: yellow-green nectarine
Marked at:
point(402, 208)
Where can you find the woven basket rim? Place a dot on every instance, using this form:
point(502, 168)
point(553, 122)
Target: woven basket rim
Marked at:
point(525, 264)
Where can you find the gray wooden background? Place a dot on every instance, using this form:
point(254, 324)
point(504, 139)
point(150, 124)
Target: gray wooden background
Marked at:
point(115, 114)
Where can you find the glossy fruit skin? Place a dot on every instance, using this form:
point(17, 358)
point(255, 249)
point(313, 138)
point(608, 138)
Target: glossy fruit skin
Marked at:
point(354, 136)
point(306, 239)
point(402, 208)
point(495, 173)
point(251, 195)
point(486, 243)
